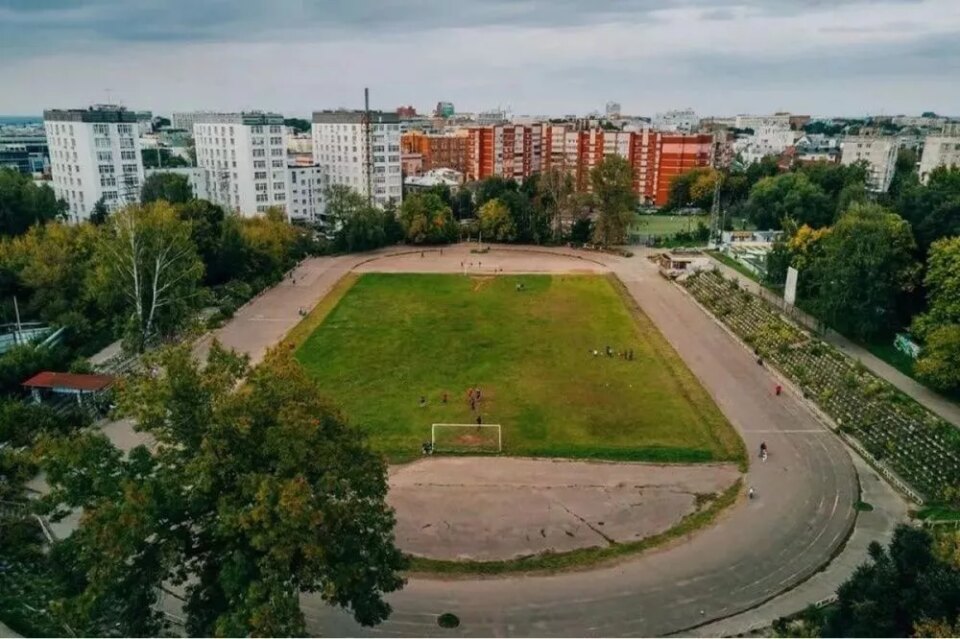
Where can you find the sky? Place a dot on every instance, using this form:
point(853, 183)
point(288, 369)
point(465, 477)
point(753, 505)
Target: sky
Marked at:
point(538, 57)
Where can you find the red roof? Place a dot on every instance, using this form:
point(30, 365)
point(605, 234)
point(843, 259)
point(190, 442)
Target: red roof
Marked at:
point(69, 381)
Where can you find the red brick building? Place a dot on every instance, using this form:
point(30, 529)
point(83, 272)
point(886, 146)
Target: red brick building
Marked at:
point(518, 151)
point(436, 151)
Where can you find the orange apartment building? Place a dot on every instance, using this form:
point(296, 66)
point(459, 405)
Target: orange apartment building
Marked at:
point(448, 151)
point(517, 151)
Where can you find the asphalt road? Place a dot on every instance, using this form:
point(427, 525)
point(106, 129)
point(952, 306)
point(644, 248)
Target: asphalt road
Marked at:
point(801, 515)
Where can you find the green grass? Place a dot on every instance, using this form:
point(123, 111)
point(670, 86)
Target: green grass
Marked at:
point(392, 338)
point(582, 557)
point(889, 353)
point(734, 264)
point(938, 512)
point(666, 224)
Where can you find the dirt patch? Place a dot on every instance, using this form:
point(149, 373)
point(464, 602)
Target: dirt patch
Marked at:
point(489, 508)
point(480, 282)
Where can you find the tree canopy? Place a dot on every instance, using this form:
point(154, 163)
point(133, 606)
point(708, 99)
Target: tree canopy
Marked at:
point(171, 187)
point(254, 493)
point(790, 195)
point(427, 219)
point(24, 204)
point(612, 182)
point(159, 158)
point(496, 223)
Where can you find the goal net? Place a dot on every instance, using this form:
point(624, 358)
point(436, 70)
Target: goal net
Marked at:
point(466, 438)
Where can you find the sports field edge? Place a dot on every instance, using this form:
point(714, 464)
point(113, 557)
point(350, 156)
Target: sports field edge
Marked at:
point(582, 558)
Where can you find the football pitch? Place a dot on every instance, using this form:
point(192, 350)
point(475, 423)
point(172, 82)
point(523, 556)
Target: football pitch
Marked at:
point(393, 339)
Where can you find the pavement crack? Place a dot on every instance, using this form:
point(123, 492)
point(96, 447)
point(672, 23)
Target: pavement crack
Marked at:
point(609, 540)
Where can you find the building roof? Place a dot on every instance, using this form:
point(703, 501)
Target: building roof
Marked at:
point(69, 381)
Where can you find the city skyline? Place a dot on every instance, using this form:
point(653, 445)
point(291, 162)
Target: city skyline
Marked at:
point(847, 58)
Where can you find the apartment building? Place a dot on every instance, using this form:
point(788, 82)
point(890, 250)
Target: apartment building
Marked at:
point(766, 140)
point(435, 151)
point(938, 150)
point(94, 154)
point(507, 150)
point(880, 154)
point(360, 153)
point(675, 154)
point(683, 120)
point(244, 155)
point(305, 195)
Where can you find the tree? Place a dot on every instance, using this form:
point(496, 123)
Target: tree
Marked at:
point(866, 267)
point(496, 223)
point(171, 187)
point(23, 203)
point(359, 226)
point(791, 195)
point(299, 125)
point(939, 361)
point(427, 219)
point(254, 493)
point(492, 188)
point(904, 174)
point(897, 591)
point(693, 188)
point(162, 159)
point(612, 182)
point(556, 195)
point(942, 282)
point(147, 259)
point(100, 212)
point(933, 210)
point(206, 221)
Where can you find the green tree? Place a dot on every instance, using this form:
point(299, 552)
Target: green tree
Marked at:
point(904, 174)
point(298, 124)
point(427, 219)
point(492, 188)
point(939, 327)
point(147, 264)
point(496, 223)
point(162, 159)
point(171, 187)
point(693, 188)
point(866, 268)
point(933, 209)
point(99, 213)
point(556, 195)
point(206, 221)
point(359, 226)
point(23, 203)
point(897, 590)
point(254, 493)
point(612, 182)
point(791, 195)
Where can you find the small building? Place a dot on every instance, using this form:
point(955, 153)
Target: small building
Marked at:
point(673, 265)
point(82, 386)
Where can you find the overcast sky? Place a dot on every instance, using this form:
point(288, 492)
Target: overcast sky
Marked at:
point(721, 57)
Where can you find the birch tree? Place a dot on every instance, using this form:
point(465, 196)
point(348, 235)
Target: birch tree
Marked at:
point(148, 263)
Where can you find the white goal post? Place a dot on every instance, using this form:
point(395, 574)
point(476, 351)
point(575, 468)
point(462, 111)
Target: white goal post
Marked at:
point(466, 438)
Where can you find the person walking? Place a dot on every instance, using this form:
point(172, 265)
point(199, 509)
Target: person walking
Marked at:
point(778, 390)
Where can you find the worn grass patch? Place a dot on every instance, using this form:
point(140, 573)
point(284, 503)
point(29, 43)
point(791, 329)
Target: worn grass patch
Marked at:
point(583, 557)
point(394, 338)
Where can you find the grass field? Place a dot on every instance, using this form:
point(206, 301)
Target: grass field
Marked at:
point(667, 224)
point(392, 338)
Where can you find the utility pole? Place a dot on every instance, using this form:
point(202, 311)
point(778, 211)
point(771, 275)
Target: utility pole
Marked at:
point(368, 142)
point(16, 310)
point(721, 166)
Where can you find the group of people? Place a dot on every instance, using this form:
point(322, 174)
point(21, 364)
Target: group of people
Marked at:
point(626, 353)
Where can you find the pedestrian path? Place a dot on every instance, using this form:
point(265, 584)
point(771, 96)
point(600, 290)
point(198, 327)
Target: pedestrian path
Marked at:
point(933, 401)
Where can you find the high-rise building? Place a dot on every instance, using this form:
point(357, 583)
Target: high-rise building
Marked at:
point(94, 154)
point(244, 155)
point(24, 151)
point(613, 109)
point(436, 151)
point(305, 195)
point(506, 150)
point(444, 110)
point(938, 150)
point(880, 154)
point(360, 151)
point(684, 121)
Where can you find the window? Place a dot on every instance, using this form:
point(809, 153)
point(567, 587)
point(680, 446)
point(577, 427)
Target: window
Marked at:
point(106, 180)
point(129, 169)
point(128, 155)
point(101, 129)
point(278, 186)
point(258, 153)
point(276, 152)
point(102, 143)
point(274, 128)
point(260, 186)
point(104, 156)
point(256, 129)
point(279, 196)
point(259, 164)
point(260, 175)
point(261, 197)
point(277, 164)
point(276, 140)
point(125, 129)
point(105, 169)
point(110, 196)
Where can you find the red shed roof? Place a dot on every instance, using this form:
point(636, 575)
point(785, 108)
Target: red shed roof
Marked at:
point(71, 381)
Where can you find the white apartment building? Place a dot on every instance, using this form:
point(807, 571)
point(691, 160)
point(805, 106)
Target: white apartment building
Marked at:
point(186, 119)
point(362, 155)
point(684, 121)
point(94, 153)
point(756, 122)
point(305, 195)
point(938, 150)
point(880, 154)
point(766, 140)
point(244, 155)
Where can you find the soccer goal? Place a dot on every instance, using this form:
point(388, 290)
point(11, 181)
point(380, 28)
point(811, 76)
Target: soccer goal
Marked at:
point(466, 438)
